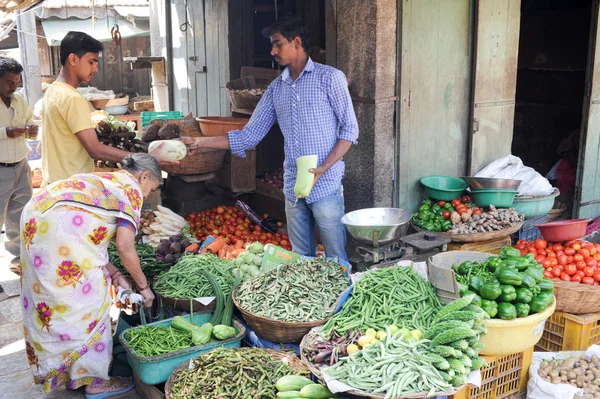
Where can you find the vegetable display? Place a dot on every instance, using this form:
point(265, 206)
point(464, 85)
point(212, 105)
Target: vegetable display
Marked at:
point(118, 134)
point(331, 350)
point(247, 264)
point(394, 295)
point(157, 340)
point(247, 373)
point(506, 286)
point(303, 291)
point(274, 178)
point(166, 224)
point(185, 281)
point(148, 262)
point(575, 261)
point(492, 220)
point(581, 372)
point(233, 225)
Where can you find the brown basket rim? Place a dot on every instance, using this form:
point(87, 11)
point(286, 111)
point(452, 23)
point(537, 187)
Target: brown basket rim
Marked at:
point(571, 286)
point(475, 237)
point(570, 297)
point(210, 307)
point(313, 336)
point(292, 360)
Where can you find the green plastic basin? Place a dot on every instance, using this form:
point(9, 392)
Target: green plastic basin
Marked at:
point(157, 369)
point(443, 188)
point(498, 197)
point(533, 207)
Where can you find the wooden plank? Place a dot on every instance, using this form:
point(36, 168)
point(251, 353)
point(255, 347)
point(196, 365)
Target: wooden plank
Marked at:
point(182, 78)
point(495, 80)
point(434, 93)
point(238, 175)
point(588, 171)
point(142, 48)
point(331, 32)
point(112, 70)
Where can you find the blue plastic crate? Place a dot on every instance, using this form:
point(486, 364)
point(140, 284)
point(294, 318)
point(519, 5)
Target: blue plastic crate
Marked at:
point(528, 231)
point(147, 117)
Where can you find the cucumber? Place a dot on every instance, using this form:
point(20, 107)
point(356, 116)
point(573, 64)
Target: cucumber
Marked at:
point(292, 383)
point(315, 391)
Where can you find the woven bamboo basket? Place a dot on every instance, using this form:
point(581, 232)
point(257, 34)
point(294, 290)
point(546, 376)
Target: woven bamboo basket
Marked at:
point(475, 237)
point(576, 298)
point(313, 337)
point(291, 359)
point(239, 94)
point(284, 332)
point(184, 304)
point(205, 161)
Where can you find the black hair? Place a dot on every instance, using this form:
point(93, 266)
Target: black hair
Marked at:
point(289, 27)
point(78, 43)
point(10, 65)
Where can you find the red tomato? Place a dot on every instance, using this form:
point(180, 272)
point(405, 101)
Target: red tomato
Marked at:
point(576, 278)
point(548, 274)
point(592, 262)
point(542, 252)
point(551, 255)
point(540, 243)
point(588, 271)
point(570, 269)
point(587, 280)
point(284, 243)
point(465, 199)
point(565, 277)
point(557, 247)
point(584, 252)
point(562, 260)
point(257, 228)
point(556, 272)
point(546, 263)
point(553, 262)
point(540, 258)
point(477, 211)
point(569, 251)
point(446, 214)
point(441, 203)
point(455, 202)
point(558, 253)
point(521, 245)
point(220, 210)
point(576, 246)
point(597, 276)
point(580, 273)
point(578, 258)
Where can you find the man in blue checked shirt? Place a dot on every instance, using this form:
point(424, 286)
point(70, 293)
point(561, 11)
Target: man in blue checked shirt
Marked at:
point(312, 105)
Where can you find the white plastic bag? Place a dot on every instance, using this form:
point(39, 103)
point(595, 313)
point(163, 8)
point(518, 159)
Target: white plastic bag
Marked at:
point(511, 167)
point(537, 388)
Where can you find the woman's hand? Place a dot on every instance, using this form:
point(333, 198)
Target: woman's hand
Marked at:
point(148, 297)
point(122, 282)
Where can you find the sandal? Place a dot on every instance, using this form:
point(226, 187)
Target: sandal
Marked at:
point(112, 391)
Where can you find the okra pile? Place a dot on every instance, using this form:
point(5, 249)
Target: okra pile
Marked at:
point(506, 286)
point(303, 291)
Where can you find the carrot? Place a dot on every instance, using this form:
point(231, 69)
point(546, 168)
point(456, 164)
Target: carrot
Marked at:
point(193, 248)
point(237, 251)
point(222, 252)
point(229, 255)
point(239, 244)
point(216, 245)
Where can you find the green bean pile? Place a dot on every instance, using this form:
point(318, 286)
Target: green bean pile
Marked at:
point(303, 291)
point(394, 295)
point(150, 266)
point(184, 281)
point(394, 367)
point(157, 340)
point(247, 373)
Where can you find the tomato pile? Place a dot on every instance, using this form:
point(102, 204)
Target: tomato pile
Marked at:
point(576, 260)
point(233, 225)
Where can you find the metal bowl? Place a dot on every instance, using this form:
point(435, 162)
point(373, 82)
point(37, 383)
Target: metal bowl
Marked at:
point(377, 226)
point(479, 183)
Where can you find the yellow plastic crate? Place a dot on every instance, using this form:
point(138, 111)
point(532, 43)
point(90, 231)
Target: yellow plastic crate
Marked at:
point(570, 332)
point(492, 247)
point(504, 377)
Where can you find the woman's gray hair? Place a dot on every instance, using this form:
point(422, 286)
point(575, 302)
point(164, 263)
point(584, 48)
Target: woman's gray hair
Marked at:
point(139, 163)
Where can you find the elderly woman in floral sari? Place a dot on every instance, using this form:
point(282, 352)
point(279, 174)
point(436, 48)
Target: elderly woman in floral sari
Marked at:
point(66, 298)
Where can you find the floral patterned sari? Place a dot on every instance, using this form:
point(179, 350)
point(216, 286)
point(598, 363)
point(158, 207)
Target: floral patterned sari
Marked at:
point(66, 299)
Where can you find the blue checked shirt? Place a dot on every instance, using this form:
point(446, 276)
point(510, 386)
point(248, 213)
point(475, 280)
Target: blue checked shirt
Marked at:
point(313, 113)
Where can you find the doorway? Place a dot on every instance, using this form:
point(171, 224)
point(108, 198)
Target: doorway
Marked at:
point(551, 87)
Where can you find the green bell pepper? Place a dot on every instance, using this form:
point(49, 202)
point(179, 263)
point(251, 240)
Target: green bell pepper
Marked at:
point(540, 302)
point(536, 290)
point(546, 285)
point(524, 295)
point(476, 299)
point(437, 226)
point(436, 208)
point(507, 311)
point(508, 276)
point(509, 252)
point(527, 281)
point(535, 272)
point(446, 225)
point(521, 264)
point(428, 226)
point(490, 291)
point(489, 307)
point(522, 309)
point(509, 293)
point(530, 258)
point(448, 206)
point(462, 289)
point(464, 268)
point(493, 263)
point(476, 283)
point(424, 207)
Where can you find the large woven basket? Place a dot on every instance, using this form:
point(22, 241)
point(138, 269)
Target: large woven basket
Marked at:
point(205, 161)
point(313, 337)
point(184, 304)
point(240, 96)
point(576, 298)
point(291, 359)
point(283, 332)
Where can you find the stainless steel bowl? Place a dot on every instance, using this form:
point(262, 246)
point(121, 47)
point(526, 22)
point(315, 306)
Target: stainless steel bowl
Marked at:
point(478, 183)
point(377, 226)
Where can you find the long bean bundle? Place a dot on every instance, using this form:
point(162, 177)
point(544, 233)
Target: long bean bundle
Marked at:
point(395, 295)
point(157, 340)
point(302, 291)
point(231, 374)
point(394, 367)
point(150, 266)
point(184, 281)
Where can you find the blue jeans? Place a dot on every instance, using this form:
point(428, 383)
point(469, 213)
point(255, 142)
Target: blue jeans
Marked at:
point(327, 213)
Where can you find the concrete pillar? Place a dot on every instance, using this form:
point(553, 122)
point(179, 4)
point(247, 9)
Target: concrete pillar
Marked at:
point(28, 46)
point(158, 48)
point(366, 53)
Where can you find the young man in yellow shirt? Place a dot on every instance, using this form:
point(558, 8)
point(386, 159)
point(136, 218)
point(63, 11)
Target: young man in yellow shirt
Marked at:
point(69, 142)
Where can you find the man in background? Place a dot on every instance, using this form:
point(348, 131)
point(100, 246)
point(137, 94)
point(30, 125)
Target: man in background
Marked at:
point(15, 176)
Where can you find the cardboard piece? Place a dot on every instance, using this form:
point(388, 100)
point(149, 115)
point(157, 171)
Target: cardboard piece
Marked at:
point(275, 256)
point(441, 275)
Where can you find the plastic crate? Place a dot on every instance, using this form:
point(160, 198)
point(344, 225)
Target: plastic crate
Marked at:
point(492, 247)
point(528, 231)
point(504, 377)
point(570, 332)
point(147, 117)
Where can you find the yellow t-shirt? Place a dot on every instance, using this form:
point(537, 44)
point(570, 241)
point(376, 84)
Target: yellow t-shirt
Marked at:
point(64, 113)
